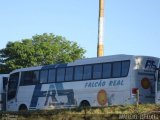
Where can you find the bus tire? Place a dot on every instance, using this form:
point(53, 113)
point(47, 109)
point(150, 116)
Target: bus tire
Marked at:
point(84, 104)
point(23, 107)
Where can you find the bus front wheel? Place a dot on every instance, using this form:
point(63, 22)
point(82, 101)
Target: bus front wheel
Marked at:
point(23, 107)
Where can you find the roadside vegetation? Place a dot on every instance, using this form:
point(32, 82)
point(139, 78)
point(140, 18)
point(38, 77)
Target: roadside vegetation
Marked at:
point(39, 50)
point(107, 113)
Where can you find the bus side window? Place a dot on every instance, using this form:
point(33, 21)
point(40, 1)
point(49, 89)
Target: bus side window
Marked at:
point(78, 73)
point(43, 76)
point(29, 77)
point(97, 71)
point(60, 74)
point(87, 74)
point(107, 68)
point(116, 69)
point(35, 77)
point(52, 75)
point(125, 68)
point(69, 74)
point(26, 78)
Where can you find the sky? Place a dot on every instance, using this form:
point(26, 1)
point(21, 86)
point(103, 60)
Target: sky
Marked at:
point(130, 26)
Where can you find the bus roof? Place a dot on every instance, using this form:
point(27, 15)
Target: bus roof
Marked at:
point(101, 59)
point(93, 60)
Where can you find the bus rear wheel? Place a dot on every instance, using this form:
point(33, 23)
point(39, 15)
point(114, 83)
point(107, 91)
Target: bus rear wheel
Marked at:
point(84, 104)
point(23, 107)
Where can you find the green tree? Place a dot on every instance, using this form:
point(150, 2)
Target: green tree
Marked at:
point(39, 50)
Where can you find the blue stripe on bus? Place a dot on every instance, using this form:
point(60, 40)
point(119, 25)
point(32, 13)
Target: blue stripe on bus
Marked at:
point(51, 92)
point(69, 93)
point(36, 94)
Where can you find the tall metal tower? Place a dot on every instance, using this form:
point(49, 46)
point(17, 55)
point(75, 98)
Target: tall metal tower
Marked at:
point(100, 46)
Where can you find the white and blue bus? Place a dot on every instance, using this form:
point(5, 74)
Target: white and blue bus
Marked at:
point(95, 82)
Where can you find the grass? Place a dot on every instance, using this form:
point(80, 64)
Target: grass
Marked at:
point(106, 113)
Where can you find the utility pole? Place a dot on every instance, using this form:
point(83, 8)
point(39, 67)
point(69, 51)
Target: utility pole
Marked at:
point(100, 45)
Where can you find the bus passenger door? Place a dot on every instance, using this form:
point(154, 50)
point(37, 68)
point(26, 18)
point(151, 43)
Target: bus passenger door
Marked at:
point(12, 90)
point(3, 94)
point(157, 98)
